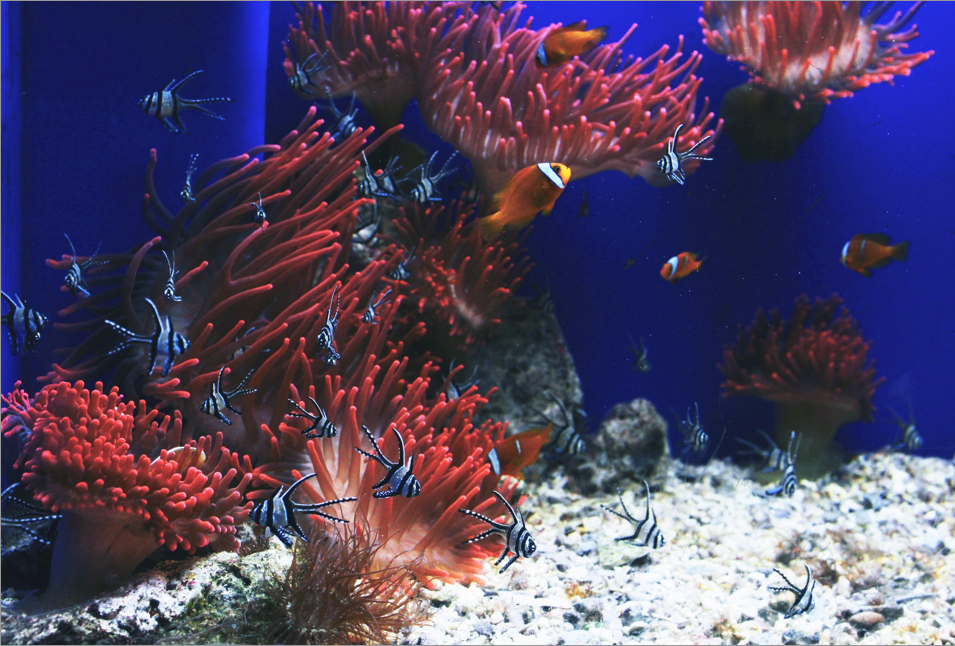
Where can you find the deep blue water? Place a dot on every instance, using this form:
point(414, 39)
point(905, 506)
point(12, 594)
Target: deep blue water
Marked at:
point(75, 146)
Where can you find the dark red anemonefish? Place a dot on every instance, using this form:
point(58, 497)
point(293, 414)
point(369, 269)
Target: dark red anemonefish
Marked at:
point(680, 266)
point(511, 455)
point(563, 43)
point(868, 251)
point(532, 189)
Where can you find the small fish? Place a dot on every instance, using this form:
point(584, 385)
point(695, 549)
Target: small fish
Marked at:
point(454, 390)
point(680, 266)
point(163, 341)
point(326, 336)
point(670, 163)
point(517, 539)
point(630, 263)
point(34, 515)
point(584, 211)
point(868, 251)
point(74, 280)
point(911, 438)
point(260, 217)
point(646, 532)
point(426, 190)
point(563, 43)
point(640, 362)
point(167, 105)
point(169, 292)
point(277, 512)
point(544, 301)
point(789, 481)
point(378, 183)
point(186, 192)
point(187, 456)
point(399, 477)
point(370, 315)
point(512, 454)
point(321, 425)
point(23, 325)
point(301, 79)
point(401, 271)
point(567, 441)
point(533, 189)
point(220, 400)
point(773, 458)
point(694, 437)
point(344, 124)
point(804, 601)
point(365, 230)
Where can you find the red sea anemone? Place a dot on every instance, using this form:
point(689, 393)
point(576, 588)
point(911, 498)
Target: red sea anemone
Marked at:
point(123, 482)
point(813, 368)
point(800, 55)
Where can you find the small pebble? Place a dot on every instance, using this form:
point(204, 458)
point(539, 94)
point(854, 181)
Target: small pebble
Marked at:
point(866, 619)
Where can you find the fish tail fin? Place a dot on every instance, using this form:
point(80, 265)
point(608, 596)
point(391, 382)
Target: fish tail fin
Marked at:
point(900, 251)
point(599, 34)
point(491, 226)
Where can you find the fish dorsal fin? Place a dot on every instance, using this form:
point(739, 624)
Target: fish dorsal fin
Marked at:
point(879, 238)
point(580, 25)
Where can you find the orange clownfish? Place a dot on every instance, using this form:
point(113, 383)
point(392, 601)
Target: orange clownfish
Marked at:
point(563, 43)
point(532, 189)
point(680, 266)
point(868, 251)
point(511, 455)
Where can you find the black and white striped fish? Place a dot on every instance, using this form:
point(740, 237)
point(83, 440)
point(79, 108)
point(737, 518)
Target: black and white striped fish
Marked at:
point(640, 361)
point(221, 400)
point(321, 426)
point(23, 325)
point(365, 230)
point(670, 163)
point(370, 315)
point(772, 458)
point(646, 532)
point(401, 271)
point(399, 476)
point(34, 516)
point(911, 438)
point(164, 340)
point(301, 79)
point(326, 336)
point(565, 440)
point(789, 481)
point(169, 291)
point(259, 211)
point(186, 192)
point(344, 124)
point(694, 437)
point(166, 105)
point(277, 512)
point(74, 280)
point(804, 601)
point(517, 540)
point(454, 390)
point(381, 184)
point(426, 189)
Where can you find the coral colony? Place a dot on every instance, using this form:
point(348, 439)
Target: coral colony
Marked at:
point(271, 314)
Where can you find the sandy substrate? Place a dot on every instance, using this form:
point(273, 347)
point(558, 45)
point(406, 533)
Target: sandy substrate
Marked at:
point(878, 537)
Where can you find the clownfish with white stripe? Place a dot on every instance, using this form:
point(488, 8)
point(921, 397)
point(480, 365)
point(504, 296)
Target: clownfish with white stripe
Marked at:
point(868, 251)
point(511, 455)
point(563, 43)
point(533, 189)
point(680, 266)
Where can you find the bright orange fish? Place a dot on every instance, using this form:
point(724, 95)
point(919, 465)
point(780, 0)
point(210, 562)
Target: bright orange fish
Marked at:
point(532, 189)
point(868, 251)
point(680, 266)
point(511, 455)
point(563, 43)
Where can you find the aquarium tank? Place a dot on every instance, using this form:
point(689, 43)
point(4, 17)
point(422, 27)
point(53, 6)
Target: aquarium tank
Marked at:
point(477, 322)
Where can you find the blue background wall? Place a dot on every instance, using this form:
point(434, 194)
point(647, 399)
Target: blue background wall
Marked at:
point(75, 146)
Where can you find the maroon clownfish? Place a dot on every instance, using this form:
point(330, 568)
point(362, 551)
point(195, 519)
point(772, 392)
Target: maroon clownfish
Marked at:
point(511, 455)
point(563, 43)
point(680, 266)
point(868, 251)
point(532, 189)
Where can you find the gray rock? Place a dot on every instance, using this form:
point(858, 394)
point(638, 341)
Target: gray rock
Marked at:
point(630, 447)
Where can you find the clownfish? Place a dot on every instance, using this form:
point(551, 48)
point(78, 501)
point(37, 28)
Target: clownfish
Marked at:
point(680, 266)
point(511, 455)
point(532, 189)
point(868, 251)
point(563, 43)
